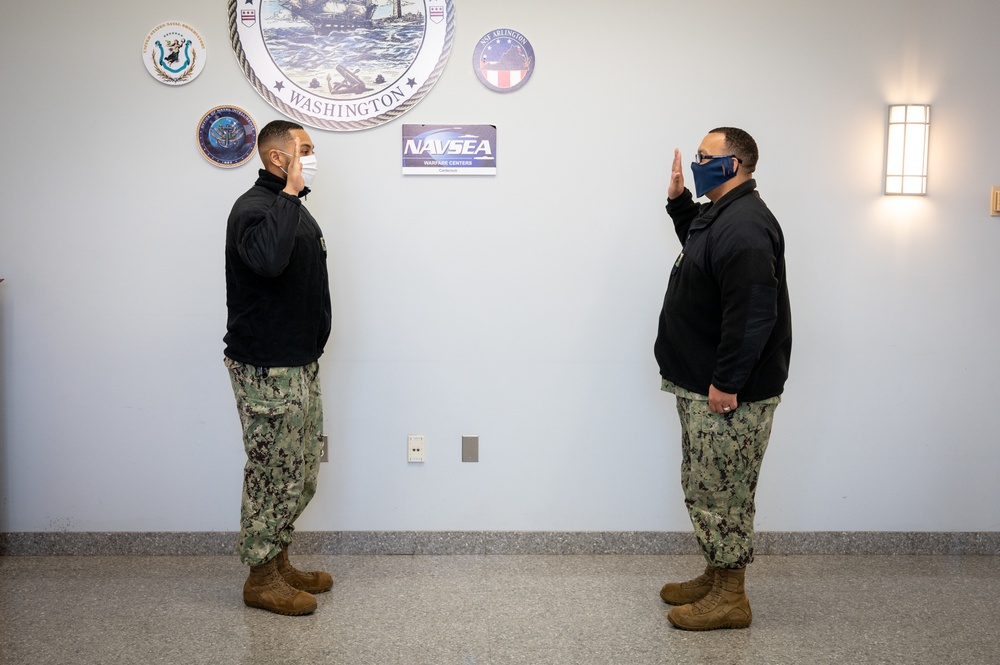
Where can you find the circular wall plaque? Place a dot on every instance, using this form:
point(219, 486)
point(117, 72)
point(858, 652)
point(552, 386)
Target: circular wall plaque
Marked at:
point(227, 136)
point(174, 53)
point(503, 60)
point(342, 65)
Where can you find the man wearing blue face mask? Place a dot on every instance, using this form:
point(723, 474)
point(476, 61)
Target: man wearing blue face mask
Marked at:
point(723, 347)
point(278, 297)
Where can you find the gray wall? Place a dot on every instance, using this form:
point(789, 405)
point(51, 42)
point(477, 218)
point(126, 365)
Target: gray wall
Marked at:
point(521, 308)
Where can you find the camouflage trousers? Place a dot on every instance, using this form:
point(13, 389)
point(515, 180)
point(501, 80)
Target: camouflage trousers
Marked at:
point(720, 463)
point(281, 410)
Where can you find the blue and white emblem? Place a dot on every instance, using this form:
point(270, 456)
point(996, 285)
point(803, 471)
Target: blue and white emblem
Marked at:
point(174, 53)
point(227, 136)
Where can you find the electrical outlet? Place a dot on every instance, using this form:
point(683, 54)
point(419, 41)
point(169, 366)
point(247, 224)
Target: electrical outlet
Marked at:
point(324, 455)
point(470, 448)
point(415, 448)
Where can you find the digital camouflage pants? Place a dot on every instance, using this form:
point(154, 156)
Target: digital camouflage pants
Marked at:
point(281, 411)
point(720, 463)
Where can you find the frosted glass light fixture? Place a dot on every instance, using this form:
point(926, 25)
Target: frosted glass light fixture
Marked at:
point(906, 149)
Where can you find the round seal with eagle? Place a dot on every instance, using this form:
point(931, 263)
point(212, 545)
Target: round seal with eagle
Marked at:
point(342, 65)
point(227, 136)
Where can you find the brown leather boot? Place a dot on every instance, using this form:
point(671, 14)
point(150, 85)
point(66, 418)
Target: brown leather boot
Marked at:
point(311, 582)
point(266, 588)
point(725, 606)
point(683, 593)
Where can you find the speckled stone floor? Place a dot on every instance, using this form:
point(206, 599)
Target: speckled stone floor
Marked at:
point(486, 609)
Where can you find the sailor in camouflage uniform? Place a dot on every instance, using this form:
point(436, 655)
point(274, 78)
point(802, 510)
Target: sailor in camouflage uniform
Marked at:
point(723, 347)
point(278, 297)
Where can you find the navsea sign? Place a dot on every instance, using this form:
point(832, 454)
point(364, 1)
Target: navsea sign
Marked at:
point(449, 149)
point(342, 65)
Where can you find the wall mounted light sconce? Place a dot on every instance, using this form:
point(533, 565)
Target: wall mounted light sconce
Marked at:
point(906, 149)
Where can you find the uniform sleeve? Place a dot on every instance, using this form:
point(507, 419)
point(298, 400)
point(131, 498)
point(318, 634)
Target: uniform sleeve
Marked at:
point(266, 235)
point(683, 210)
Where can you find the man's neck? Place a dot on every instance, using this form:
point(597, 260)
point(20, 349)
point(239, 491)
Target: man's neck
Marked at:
point(726, 187)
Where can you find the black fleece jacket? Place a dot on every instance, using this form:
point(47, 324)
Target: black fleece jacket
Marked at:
point(277, 288)
point(726, 319)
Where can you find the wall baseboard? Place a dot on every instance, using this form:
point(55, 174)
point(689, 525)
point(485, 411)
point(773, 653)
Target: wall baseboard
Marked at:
point(203, 543)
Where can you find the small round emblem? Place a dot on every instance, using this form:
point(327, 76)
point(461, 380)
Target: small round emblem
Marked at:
point(503, 60)
point(227, 136)
point(174, 53)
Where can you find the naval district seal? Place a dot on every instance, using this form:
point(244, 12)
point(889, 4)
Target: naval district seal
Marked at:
point(342, 65)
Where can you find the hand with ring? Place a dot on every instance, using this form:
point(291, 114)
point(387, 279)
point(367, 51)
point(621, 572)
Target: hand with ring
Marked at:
point(720, 402)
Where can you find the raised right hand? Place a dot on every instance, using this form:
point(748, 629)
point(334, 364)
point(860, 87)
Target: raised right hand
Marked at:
point(295, 182)
point(676, 186)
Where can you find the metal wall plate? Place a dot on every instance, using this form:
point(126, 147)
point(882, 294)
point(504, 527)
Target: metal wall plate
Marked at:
point(470, 448)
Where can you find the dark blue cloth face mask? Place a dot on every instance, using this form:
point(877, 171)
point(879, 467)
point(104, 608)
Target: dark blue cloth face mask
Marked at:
point(712, 173)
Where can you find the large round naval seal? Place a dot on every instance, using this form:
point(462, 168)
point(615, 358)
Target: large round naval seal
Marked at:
point(342, 65)
point(227, 136)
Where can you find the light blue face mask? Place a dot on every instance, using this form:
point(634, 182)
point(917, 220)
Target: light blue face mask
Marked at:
point(712, 173)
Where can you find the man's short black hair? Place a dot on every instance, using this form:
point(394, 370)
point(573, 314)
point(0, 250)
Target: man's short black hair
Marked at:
point(740, 144)
point(276, 131)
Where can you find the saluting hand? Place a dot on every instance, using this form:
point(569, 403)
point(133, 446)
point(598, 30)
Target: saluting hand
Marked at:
point(295, 183)
point(676, 186)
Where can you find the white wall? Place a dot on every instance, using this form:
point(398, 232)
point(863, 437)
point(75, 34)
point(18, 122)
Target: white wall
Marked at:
point(521, 308)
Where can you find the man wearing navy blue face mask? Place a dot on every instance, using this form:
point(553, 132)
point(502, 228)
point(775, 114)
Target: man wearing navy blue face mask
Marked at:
point(723, 347)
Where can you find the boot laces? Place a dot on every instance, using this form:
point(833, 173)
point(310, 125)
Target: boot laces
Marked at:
point(710, 600)
point(276, 583)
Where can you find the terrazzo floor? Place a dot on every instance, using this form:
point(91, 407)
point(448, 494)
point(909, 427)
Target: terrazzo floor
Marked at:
point(497, 609)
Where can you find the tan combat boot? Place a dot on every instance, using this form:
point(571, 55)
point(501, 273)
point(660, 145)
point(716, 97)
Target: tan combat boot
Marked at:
point(266, 588)
point(311, 582)
point(725, 606)
point(683, 593)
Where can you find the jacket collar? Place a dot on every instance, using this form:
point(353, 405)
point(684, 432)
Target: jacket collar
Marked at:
point(271, 182)
point(709, 211)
